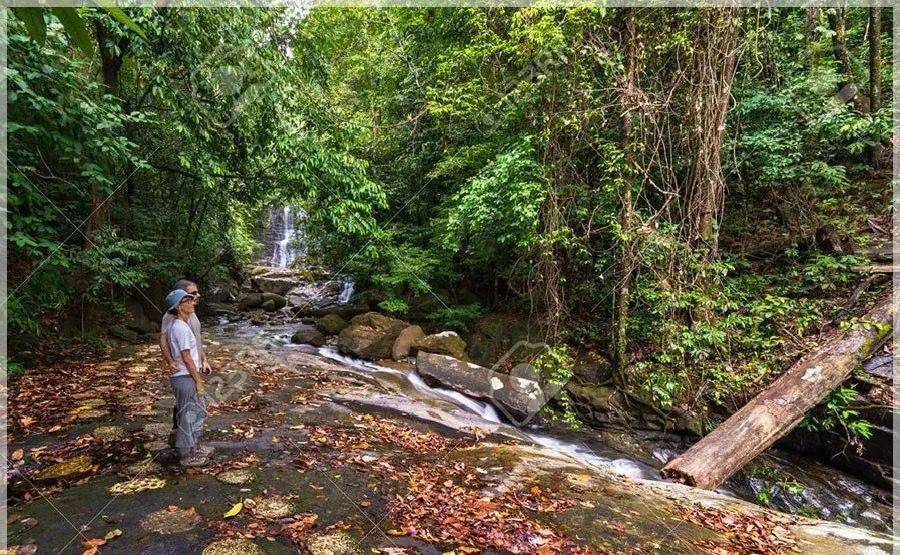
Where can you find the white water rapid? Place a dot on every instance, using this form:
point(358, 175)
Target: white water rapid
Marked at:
point(580, 452)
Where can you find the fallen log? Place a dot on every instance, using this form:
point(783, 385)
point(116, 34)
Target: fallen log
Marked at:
point(781, 406)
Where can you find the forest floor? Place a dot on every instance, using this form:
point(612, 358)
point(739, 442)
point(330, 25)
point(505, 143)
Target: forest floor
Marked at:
point(310, 456)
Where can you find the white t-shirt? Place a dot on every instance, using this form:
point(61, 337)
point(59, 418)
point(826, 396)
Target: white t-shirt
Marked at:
point(182, 338)
point(194, 323)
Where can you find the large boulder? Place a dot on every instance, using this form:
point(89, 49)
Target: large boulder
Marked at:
point(250, 301)
point(405, 341)
point(308, 335)
point(331, 324)
point(308, 297)
point(370, 335)
point(280, 285)
point(518, 397)
point(273, 302)
point(136, 317)
point(218, 309)
point(445, 343)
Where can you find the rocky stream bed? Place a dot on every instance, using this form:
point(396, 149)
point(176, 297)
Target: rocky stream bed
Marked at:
point(321, 453)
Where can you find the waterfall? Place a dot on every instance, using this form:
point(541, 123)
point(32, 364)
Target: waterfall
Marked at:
point(286, 248)
point(346, 290)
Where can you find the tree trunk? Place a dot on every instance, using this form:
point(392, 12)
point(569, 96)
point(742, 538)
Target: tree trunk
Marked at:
point(839, 44)
point(781, 406)
point(874, 59)
point(812, 22)
point(626, 256)
point(110, 58)
point(715, 59)
point(875, 73)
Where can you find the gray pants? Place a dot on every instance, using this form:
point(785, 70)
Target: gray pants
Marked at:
point(190, 410)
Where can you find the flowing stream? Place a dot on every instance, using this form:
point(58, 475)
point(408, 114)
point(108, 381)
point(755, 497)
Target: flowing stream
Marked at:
point(806, 487)
point(803, 486)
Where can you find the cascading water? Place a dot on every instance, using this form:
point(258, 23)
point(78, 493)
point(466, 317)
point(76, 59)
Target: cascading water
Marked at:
point(851, 502)
point(290, 243)
point(346, 290)
point(579, 452)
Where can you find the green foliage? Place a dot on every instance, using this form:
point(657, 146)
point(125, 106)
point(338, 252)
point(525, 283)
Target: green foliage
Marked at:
point(732, 348)
point(495, 214)
point(459, 317)
point(555, 365)
point(829, 272)
point(770, 481)
point(394, 305)
point(835, 413)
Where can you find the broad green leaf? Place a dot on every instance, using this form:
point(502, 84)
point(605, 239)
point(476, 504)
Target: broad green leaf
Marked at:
point(75, 28)
point(120, 16)
point(34, 22)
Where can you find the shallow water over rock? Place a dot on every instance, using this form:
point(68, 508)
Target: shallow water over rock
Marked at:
point(778, 480)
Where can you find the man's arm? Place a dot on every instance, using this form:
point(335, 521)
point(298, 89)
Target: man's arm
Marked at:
point(192, 370)
point(204, 364)
point(167, 356)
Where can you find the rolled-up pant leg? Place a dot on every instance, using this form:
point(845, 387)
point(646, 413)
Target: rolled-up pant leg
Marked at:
point(190, 412)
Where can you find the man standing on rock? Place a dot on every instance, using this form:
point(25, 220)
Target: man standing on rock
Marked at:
point(187, 383)
point(193, 322)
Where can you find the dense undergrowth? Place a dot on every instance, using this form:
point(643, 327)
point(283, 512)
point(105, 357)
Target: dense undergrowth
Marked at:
point(461, 163)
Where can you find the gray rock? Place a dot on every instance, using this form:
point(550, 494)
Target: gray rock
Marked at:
point(880, 366)
point(405, 341)
point(272, 284)
point(218, 309)
point(273, 302)
point(313, 296)
point(136, 317)
point(518, 397)
point(370, 335)
point(308, 335)
point(445, 343)
point(124, 334)
point(331, 324)
point(250, 301)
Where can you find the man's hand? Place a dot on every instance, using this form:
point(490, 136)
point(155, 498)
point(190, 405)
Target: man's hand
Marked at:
point(173, 366)
point(207, 369)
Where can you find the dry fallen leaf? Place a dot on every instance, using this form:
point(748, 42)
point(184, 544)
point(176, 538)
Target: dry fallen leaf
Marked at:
point(92, 546)
point(238, 507)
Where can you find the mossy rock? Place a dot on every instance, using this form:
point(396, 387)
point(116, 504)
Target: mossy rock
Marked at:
point(91, 403)
point(338, 543)
point(107, 433)
point(273, 507)
point(158, 428)
point(597, 397)
point(171, 520)
point(331, 324)
point(70, 468)
point(233, 546)
point(90, 414)
point(236, 476)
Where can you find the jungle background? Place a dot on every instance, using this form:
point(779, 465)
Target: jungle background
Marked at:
point(678, 201)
